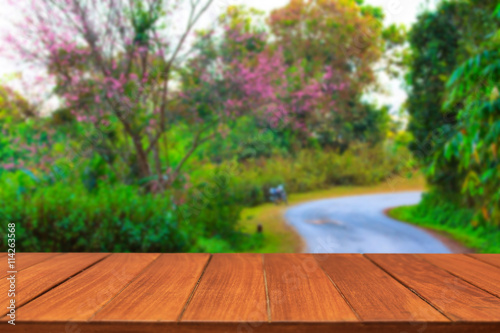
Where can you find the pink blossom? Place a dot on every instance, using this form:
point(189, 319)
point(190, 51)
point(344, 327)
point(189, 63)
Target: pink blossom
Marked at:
point(9, 166)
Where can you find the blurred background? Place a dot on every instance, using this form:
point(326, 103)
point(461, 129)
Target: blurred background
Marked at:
point(191, 125)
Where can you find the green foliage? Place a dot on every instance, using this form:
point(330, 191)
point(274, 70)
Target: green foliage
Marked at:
point(13, 107)
point(62, 218)
point(140, 179)
point(75, 203)
point(315, 169)
point(443, 214)
point(454, 103)
point(212, 245)
point(144, 19)
point(349, 37)
point(213, 205)
point(434, 42)
point(248, 140)
point(474, 86)
point(239, 242)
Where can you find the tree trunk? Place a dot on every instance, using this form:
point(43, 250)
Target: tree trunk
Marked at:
point(142, 159)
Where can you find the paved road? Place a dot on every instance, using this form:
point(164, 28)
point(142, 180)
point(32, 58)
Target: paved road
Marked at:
point(358, 225)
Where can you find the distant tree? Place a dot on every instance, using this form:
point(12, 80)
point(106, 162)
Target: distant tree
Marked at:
point(435, 52)
point(439, 42)
point(474, 86)
point(347, 37)
point(238, 67)
point(113, 63)
point(13, 106)
point(454, 102)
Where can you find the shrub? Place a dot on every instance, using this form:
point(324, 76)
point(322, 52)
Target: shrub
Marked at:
point(315, 169)
point(62, 218)
point(213, 206)
point(439, 212)
point(201, 215)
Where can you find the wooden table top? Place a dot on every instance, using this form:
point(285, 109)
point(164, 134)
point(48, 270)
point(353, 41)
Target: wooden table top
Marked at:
point(99, 292)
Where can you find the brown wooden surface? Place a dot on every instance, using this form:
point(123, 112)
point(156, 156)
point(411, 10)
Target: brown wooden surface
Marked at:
point(38, 279)
point(160, 292)
point(373, 294)
point(23, 261)
point(299, 290)
point(476, 272)
point(342, 293)
point(231, 289)
point(455, 298)
point(492, 259)
point(82, 296)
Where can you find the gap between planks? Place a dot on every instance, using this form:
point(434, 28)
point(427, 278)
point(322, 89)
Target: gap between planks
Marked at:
point(461, 278)
point(478, 257)
point(338, 289)
point(63, 281)
point(266, 284)
point(121, 290)
point(19, 255)
point(408, 287)
point(194, 289)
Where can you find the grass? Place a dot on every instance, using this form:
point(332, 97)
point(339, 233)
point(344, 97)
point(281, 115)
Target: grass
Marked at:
point(481, 239)
point(279, 237)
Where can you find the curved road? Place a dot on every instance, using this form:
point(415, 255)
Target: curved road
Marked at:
point(357, 224)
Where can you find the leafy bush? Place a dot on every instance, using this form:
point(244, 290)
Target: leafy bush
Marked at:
point(63, 218)
point(248, 139)
point(213, 205)
point(440, 213)
point(455, 60)
point(200, 216)
point(315, 169)
point(476, 145)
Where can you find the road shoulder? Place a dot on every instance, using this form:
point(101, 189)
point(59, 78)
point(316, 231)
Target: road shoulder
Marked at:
point(453, 245)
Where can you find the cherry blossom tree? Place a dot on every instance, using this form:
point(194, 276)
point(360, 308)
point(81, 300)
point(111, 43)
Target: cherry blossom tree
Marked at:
point(113, 64)
point(250, 77)
point(131, 70)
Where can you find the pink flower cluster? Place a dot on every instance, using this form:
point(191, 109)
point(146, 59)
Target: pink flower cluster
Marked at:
point(282, 95)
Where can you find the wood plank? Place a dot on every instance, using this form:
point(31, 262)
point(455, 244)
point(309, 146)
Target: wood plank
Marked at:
point(24, 260)
point(231, 289)
point(229, 294)
point(3, 261)
point(37, 279)
point(375, 295)
point(482, 275)
point(492, 259)
point(454, 297)
point(300, 291)
point(160, 292)
point(82, 296)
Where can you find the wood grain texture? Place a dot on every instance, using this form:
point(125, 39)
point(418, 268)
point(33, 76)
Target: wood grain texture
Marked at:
point(231, 289)
point(492, 259)
point(300, 291)
point(160, 292)
point(480, 274)
point(375, 295)
point(457, 299)
point(82, 296)
point(227, 293)
point(23, 261)
point(37, 279)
